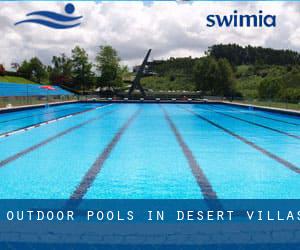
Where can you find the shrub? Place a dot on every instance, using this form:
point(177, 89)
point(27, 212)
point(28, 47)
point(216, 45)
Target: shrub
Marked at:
point(172, 78)
point(290, 95)
point(269, 88)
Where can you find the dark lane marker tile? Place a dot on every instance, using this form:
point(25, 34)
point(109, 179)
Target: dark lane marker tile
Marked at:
point(256, 124)
point(202, 180)
point(50, 139)
point(93, 171)
point(283, 162)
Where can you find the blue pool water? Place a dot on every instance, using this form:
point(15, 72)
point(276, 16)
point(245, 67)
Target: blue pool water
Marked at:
point(17, 120)
point(149, 151)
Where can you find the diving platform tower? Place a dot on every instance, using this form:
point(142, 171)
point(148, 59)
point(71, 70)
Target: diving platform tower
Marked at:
point(136, 84)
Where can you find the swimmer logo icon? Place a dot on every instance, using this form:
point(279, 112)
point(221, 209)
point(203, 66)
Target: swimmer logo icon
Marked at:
point(54, 20)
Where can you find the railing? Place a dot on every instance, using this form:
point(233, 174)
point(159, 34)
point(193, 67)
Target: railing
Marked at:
point(14, 101)
point(188, 96)
point(287, 104)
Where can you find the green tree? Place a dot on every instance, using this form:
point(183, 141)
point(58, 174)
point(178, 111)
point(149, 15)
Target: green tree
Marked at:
point(224, 83)
point(205, 74)
point(61, 71)
point(108, 65)
point(25, 69)
point(33, 70)
point(83, 76)
point(270, 88)
point(38, 70)
point(213, 76)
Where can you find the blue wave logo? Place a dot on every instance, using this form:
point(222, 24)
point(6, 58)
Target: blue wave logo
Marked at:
point(55, 20)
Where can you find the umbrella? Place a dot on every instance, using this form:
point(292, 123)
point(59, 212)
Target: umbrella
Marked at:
point(47, 87)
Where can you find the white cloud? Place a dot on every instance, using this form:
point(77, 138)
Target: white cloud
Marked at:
point(169, 28)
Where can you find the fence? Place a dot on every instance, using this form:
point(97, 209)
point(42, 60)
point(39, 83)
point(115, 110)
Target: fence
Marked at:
point(295, 105)
point(14, 94)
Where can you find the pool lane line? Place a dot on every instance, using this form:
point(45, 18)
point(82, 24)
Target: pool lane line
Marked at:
point(29, 127)
point(266, 117)
point(96, 167)
point(38, 114)
point(50, 139)
point(273, 119)
point(201, 179)
point(47, 122)
point(256, 124)
point(280, 160)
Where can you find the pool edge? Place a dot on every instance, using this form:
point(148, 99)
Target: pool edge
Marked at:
point(242, 105)
point(34, 106)
point(263, 108)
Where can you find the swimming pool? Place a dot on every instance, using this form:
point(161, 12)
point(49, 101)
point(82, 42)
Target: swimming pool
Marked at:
point(172, 151)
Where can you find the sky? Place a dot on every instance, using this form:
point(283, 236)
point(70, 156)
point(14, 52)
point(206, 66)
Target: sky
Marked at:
point(171, 29)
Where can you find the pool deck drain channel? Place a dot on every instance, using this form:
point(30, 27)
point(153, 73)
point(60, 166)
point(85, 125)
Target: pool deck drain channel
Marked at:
point(203, 182)
point(50, 139)
point(283, 162)
point(94, 170)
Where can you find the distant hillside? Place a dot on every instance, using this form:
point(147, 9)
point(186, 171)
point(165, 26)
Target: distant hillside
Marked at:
point(178, 66)
point(258, 73)
point(172, 74)
point(269, 82)
point(238, 55)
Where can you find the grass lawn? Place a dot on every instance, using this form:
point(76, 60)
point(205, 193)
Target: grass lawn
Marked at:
point(15, 79)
